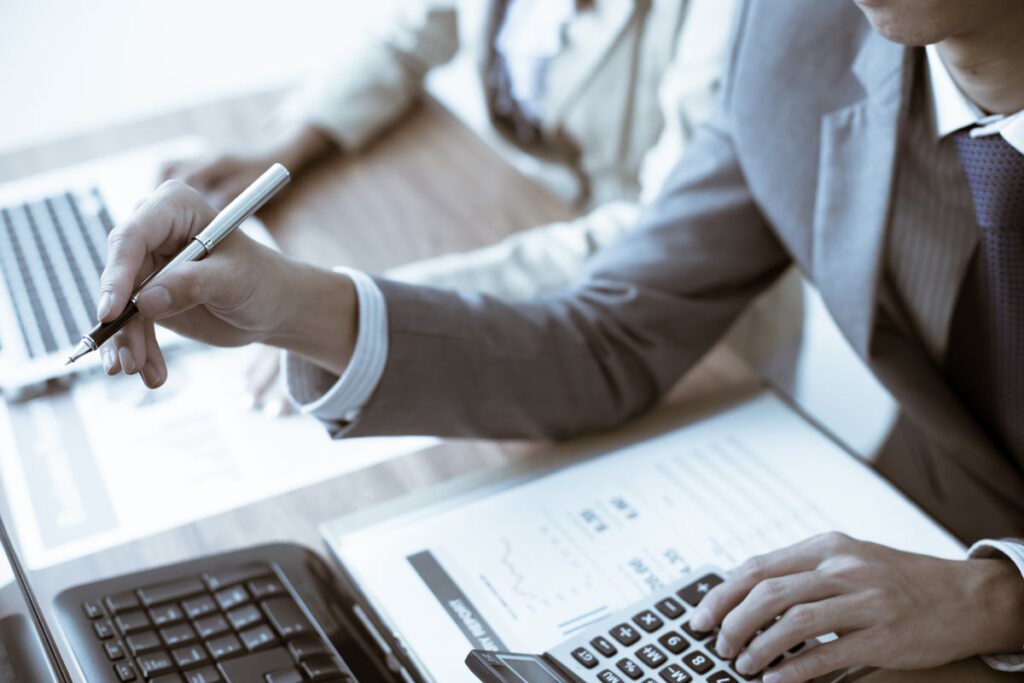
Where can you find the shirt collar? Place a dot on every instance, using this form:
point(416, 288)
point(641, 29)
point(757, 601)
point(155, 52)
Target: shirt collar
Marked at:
point(953, 110)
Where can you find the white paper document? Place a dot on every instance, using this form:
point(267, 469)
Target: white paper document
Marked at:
point(110, 461)
point(521, 568)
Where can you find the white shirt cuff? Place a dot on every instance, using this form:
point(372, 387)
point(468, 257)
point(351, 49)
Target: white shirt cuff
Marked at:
point(322, 394)
point(1012, 549)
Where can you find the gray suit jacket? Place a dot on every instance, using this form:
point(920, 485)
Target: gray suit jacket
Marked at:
point(797, 168)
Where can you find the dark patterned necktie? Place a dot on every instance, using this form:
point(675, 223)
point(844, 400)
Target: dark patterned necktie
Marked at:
point(986, 349)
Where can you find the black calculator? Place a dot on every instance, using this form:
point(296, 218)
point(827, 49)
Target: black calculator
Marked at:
point(650, 641)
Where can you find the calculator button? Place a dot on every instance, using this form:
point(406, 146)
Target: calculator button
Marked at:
point(125, 672)
point(696, 591)
point(114, 651)
point(625, 634)
point(244, 617)
point(176, 636)
point(698, 661)
point(648, 621)
point(673, 642)
point(721, 677)
point(223, 579)
point(604, 646)
point(259, 638)
point(188, 657)
point(630, 668)
point(264, 588)
point(651, 656)
point(230, 598)
point(695, 634)
point(92, 609)
point(584, 657)
point(171, 592)
point(224, 647)
point(673, 673)
point(670, 608)
point(608, 676)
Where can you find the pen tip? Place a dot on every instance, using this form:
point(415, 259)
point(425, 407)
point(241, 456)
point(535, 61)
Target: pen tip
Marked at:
point(69, 361)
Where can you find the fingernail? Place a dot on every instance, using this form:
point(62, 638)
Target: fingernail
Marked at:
point(701, 619)
point(150, 376)
point(106, 301)
point(154, 301)
point(744, 665)
point(127, 362)
point(107, 354)
point(771, 677)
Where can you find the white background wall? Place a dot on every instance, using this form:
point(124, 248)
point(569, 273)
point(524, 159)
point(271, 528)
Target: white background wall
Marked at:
point(70, 65)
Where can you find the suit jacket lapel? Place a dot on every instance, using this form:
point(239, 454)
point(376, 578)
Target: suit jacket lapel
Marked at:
point(855, 187)
point(592, 36)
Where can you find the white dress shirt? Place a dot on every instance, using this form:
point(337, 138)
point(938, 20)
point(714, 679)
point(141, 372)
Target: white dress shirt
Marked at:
point(339, 400)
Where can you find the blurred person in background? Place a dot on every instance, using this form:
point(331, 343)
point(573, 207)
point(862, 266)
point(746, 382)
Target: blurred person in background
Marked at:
point(598, 97)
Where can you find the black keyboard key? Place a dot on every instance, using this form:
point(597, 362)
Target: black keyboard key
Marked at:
point(259, 638)
point(230, 598)
point(585, 657)
point(305, 647)
point(229, 577)
point(198, 607)
point(92, 609)
point(253, 667)
point(103, 629)
point(721, 677)
point(265, 588)
point(224, 647)
point(114, 651)
point(673, 673)
point(321, 668)
point(670, 608)
point(244, 617)
point(165, 615)
point(674, 643)
point(207, 674)
point(211, 626)
point(694, 633)
point(625, 634)
point(171, 592)
point(125, 672)
point(284, 676)
point(608, 676)
point(155, 664)
point(131, 622)
point(144, 642)
point(604, 646)
point(698, 661)
point(191, 656)
point(651, 656)
point(696, 591)
point(648, 621)
point(286, 617)
point(180, 634)
point(122, 602)
point(168, 678)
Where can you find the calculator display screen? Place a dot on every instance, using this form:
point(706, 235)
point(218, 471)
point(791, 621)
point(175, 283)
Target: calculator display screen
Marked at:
point(528, 669)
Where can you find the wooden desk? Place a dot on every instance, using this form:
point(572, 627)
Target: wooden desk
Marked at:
point(428, 188)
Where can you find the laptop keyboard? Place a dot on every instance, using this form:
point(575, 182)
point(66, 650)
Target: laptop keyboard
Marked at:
point(52, 252)
point(237, 624)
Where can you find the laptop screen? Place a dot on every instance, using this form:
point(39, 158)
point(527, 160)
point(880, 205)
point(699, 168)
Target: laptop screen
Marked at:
point(58, 669)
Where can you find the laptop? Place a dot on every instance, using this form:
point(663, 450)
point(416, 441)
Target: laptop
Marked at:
point(53, 237)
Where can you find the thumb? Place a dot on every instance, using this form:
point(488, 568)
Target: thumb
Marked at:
point(172, 293)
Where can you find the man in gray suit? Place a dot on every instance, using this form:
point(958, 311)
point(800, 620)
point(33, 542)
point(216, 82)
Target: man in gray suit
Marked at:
point(891, 175)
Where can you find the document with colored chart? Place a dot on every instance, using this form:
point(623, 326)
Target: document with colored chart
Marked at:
point(523, 566)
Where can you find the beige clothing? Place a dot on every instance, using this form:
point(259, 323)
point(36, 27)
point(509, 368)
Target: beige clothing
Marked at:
point(635, 79)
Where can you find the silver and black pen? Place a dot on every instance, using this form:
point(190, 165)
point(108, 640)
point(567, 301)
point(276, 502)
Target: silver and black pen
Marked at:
point(234, 214)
